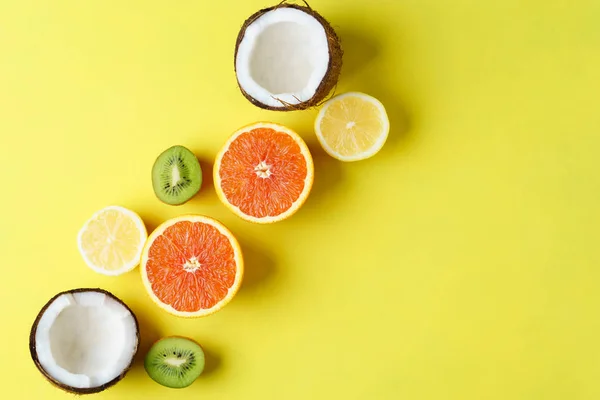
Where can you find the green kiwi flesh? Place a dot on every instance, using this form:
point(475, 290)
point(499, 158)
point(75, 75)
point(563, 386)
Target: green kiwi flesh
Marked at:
point(176, 175)
point(175, 362)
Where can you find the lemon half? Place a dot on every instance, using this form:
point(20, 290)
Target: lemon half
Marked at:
point(352, 126)
point(112, 240)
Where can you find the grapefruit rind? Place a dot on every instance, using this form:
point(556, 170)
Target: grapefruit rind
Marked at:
point(308, 180)
point(238, 261)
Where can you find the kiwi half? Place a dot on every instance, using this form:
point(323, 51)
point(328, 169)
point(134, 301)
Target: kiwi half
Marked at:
point(175, 362)
point(176, 175)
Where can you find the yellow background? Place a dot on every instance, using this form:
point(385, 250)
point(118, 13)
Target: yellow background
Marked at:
point(462, 262)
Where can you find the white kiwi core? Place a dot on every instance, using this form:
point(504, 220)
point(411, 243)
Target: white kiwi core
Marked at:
point(86, 339)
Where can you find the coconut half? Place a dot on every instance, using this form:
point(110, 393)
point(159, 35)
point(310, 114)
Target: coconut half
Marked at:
point(84, 340)
point(287, 57)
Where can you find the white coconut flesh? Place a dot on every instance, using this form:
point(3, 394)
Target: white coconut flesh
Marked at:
point(85, 339)
point(283, 55)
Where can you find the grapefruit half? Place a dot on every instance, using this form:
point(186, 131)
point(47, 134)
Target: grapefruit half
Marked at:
point(192, 266)
point(264, 172)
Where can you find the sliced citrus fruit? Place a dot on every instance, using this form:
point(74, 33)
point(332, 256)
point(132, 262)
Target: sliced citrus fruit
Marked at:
point(352, 126)
point(264, 172)
point(111, 241)
point(192, 266)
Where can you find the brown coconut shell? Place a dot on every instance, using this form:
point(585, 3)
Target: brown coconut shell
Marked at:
point(334, 67)
point(60, 385)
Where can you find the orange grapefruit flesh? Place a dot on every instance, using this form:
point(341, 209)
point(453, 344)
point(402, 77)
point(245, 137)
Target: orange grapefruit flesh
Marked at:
point(264, 173)
point(192, 266)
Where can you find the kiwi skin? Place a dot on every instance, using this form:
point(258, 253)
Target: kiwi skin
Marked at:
point(154, 351)
point(191, 175)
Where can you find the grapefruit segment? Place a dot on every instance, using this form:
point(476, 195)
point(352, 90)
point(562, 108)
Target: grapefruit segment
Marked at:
point(192, 266)
point(264, 173)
